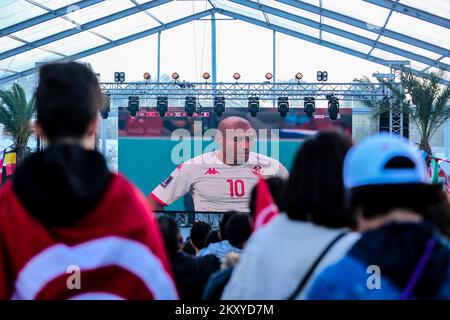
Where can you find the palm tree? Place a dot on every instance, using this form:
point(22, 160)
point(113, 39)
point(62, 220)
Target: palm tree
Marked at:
point(15, 116)
point(423, 99)
point(365, 80)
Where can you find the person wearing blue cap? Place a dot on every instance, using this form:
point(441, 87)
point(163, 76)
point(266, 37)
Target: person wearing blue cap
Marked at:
point(401, 253)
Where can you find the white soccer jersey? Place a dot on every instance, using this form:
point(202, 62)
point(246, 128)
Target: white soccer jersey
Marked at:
point(215, 186)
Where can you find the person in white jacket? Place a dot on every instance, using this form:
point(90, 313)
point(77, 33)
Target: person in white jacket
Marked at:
point(281, 258)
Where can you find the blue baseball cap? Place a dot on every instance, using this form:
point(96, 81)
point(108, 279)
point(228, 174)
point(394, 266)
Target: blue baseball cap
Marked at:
point(366, 163)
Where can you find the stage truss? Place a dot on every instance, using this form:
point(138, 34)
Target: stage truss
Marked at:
point(242, 91)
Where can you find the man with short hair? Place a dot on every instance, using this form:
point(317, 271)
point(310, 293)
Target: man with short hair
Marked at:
point(221, 180)
point(69, 228)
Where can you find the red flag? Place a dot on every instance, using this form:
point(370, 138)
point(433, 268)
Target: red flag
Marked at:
point(266, 209)
point(2, 154)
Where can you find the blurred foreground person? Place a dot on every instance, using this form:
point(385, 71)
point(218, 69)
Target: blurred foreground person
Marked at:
point(191, 273)
point(281, 257)
point(69, 228)
point(399, 255)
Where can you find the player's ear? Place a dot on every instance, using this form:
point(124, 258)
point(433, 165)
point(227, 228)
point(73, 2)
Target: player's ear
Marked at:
point(192, 244)
point(219, 137)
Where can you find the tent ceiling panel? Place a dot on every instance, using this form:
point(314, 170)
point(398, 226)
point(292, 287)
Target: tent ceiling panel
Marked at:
point(56, 4)
point(345, 42)
point(27, 60)
point(99, 10)
point(288, 24)
point(7, 43)
point(370, 13)
point(419, 29)
point(437, 7)
point(290, 9)
point(178, 9)
point(126, 26)
point(76, 43)
point(44, 29)
point(15, 11)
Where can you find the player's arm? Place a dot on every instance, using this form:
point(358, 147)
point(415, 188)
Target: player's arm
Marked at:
point(176, 185)
point(154, 204)
point(282, 172)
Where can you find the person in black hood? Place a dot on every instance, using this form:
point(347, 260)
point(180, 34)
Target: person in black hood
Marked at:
point(63, 204)
point(68, 173)
point(402, 253)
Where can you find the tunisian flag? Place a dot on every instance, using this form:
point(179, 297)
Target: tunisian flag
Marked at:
point(266, 209)
point(114, 252)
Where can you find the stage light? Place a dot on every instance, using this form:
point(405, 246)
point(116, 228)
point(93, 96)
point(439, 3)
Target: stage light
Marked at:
point(309, 106)
point(253, 105)
point(119, 76)
point(333, 107)
point(219, 105)
point(298, 76)
point(147, 76)
point(133, 105)
point(190, 105)
point(269, 76)
point(283, 106)
point(162, 105)
point(322, 76)
point(175, 76)
point(236, 76)
point(206, 75)
point(104, 112)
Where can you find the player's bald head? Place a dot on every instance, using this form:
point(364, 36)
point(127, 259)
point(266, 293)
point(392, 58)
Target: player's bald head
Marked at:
point(233, 122)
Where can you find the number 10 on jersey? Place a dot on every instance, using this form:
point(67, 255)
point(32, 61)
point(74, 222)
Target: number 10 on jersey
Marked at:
point(237, 188)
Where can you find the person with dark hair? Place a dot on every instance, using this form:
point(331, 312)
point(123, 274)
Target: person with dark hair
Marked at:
point(311, 233)
point(276, 185)
point(400, 255)
point(188, 247)
point(199, 232)
point(191, 273)
point(238, 230)
point(212, 237)
point(223, 247)
point(66, 205)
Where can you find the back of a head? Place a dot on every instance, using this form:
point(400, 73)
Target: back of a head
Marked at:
point(171, 233)
point(199, 232)
point(315, 190)
point(68, 98)
point(226, 216)
point(276, 185)
point(238, 230)
point(385, 173)
point(212, 237)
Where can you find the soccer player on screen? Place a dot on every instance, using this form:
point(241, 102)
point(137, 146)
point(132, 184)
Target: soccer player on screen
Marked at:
point(221, 180)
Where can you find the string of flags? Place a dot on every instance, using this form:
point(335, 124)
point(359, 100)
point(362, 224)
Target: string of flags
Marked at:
point(8, 162)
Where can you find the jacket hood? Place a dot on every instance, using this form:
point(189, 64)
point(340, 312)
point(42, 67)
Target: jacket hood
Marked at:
point(397, 247)
point(60, 185)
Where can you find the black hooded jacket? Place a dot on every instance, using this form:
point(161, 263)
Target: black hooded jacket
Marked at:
point(60, 185)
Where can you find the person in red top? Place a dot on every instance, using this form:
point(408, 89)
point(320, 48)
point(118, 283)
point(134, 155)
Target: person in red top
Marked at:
point(69, 228)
